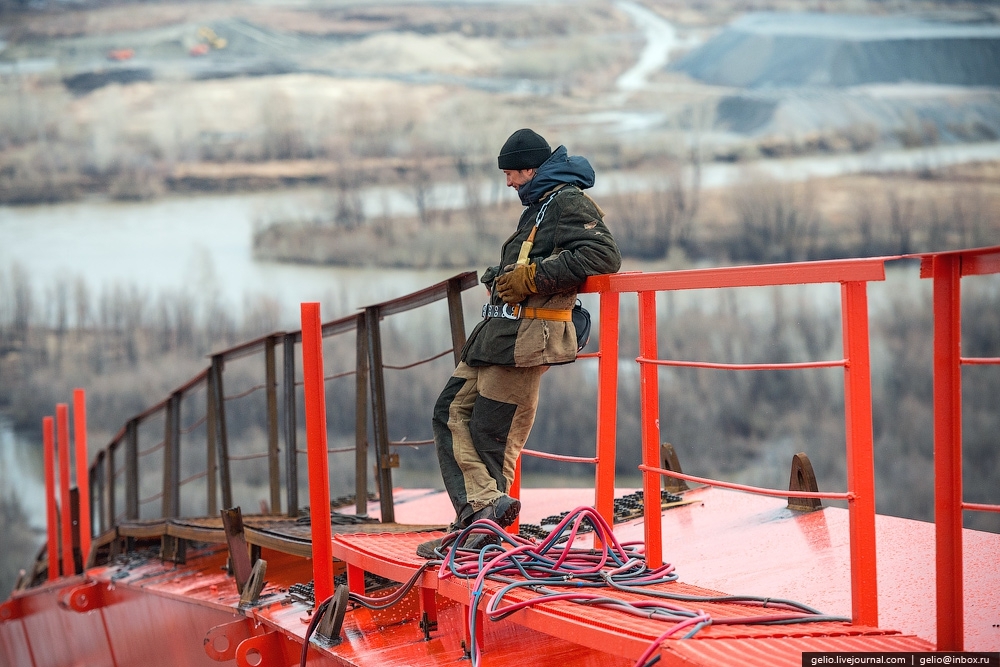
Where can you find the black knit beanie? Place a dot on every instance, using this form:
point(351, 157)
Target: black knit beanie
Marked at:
point(525, 149)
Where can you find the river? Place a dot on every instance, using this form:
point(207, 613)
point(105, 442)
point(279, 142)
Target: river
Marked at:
point(21, 474)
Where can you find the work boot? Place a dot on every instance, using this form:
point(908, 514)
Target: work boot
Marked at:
point(429, 549)
point(475, 542)
point(503, 511)
point(479, 541)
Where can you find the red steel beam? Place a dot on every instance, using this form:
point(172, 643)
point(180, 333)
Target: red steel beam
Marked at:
point(51, 513)
point(800, 273)
point(649, 399)
point(860, 454)
point(316, 439)
point(607, 407)
point(66, 519)
point(946, 269)
point(82, 475)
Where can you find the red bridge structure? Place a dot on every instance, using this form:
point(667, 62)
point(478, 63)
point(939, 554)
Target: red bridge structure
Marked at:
point(150, 561)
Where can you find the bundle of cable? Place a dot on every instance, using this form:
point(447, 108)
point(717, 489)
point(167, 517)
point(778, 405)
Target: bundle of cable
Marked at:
point(553, 565)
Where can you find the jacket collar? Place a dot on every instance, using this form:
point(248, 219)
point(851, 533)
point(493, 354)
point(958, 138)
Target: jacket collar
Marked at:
point(560, 169)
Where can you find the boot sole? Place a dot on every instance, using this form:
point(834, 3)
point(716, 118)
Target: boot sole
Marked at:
point(510, 515)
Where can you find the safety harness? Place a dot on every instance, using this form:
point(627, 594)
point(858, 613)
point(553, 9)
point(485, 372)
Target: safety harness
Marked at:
point(519, 312)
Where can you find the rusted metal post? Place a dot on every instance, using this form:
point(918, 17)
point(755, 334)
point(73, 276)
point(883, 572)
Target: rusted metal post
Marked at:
point(273, 464)
point(222, 449)
point(98, 488)
point(515, 492)
point(132, 470)
point(361, 419)
point(74, 520)
point(211, 444)
point(456, 318)
point(670, 461)
point(802, 478)
point(860, 453)
point(291, 445)
point(110, 481)
point(948, 451)
point(51, 513)
point(316, 443)
point(171, 502)
point(82, 475)
point(66, 515)
point(607, 408)
point(379, 418)
point(239, 555)
point(649, 394)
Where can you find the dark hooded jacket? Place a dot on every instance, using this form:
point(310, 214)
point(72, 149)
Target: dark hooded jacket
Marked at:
point(571, 244)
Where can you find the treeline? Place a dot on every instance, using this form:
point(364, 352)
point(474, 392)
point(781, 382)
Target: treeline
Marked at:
point(130, 350)
point(758, 220)
point(734, 425)
point(131, 346)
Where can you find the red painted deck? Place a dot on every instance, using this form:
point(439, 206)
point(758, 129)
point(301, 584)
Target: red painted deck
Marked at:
point(724, 541)
point(752, 545)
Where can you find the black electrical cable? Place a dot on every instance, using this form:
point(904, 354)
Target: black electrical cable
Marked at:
point(317, 614)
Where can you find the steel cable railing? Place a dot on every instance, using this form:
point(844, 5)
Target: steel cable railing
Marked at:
point(852, 276)
point(367, 371)
point(158, 446)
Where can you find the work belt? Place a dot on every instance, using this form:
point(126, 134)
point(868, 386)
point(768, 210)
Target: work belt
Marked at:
point(519, 312)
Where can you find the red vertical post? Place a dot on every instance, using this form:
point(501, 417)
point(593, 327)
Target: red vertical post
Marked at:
point(51, 513)
point(515, 492)
point(62, 442)
point(860, 454)
point(948, 451)
point(607, 408)
point(316, 446)
point(82, 474)
point(650, 409)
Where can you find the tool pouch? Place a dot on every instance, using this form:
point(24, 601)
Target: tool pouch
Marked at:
point(581, 321)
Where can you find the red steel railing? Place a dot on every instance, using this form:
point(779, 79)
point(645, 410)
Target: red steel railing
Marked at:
point(853, 276)
point(947, 269)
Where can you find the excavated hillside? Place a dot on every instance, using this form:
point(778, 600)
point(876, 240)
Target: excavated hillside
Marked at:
point(801, 72)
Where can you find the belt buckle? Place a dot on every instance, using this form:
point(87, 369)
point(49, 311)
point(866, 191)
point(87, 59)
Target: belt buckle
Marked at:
point(506, 311)
point(511, 312)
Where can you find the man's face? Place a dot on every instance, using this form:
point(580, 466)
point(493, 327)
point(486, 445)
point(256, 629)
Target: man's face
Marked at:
point(518, 177)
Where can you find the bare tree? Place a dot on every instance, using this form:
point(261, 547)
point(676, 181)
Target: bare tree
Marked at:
point(648, 224)
point(778, 221)
point(81, 297)
point(282, 139)
point(469, 174)
point(901, 221)
point(60, 302)
point(348, 207)
point(24, 302)
point(421, 185)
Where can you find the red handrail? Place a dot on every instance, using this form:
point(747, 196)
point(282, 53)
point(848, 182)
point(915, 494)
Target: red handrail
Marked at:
point(947, 269)
point(66, 514)
point(51, 513)
point(319, 475)
point(607, 406)
point(82, 476)
point(852, 275)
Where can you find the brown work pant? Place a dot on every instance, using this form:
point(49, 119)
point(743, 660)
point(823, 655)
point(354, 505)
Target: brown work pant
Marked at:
point(481, 421)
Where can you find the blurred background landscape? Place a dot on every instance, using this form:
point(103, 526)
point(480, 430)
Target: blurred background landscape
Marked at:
point(176, 177)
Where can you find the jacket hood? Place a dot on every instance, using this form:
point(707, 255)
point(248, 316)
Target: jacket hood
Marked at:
point(560, 168)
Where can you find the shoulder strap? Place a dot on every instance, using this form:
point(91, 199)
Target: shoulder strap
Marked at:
point(541, 211)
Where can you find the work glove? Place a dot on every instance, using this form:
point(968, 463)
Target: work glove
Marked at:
point(516, 283)
point(489, 275)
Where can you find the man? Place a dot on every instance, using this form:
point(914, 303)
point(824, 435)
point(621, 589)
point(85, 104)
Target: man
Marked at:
point(482, 417)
